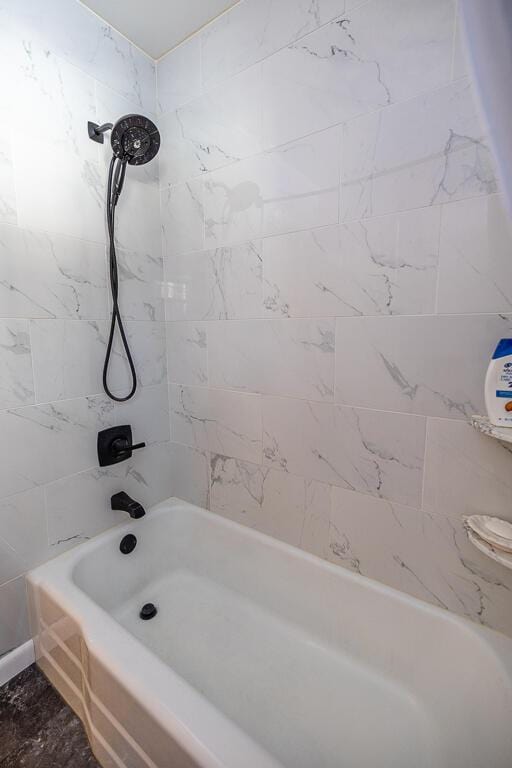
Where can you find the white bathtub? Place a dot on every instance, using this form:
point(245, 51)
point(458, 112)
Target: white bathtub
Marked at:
point(261, 655)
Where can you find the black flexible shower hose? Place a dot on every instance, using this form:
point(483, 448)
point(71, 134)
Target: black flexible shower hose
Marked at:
point(116, 173)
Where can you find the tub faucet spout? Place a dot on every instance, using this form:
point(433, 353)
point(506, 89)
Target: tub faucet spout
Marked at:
point(125, 503)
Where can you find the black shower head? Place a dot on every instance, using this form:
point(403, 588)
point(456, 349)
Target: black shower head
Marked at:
point(135, 139)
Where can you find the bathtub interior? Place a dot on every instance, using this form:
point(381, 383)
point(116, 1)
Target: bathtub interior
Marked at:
point(309, 661)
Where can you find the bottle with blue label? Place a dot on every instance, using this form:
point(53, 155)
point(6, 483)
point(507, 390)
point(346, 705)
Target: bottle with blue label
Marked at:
point(498, 385)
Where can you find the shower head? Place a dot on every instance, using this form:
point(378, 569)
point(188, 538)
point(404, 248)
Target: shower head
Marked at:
point(135, 139)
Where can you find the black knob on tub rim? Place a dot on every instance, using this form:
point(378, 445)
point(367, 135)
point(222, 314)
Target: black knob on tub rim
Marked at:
point(128, 543)
point(148, 611)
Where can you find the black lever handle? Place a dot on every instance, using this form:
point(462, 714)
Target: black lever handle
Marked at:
point(115, 444)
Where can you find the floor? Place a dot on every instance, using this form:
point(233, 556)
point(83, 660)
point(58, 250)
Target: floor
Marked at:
point(37, 728)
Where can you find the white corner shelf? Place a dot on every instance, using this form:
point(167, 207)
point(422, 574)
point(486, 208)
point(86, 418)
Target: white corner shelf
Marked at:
point(504, 558)
point(482, 424)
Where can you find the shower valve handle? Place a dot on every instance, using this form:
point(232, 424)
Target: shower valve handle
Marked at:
point(115, 445)
point(122, 445)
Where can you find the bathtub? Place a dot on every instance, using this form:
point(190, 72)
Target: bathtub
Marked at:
point(261, 656)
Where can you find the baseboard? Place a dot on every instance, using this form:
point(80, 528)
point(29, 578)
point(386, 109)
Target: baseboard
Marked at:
point(16, 661)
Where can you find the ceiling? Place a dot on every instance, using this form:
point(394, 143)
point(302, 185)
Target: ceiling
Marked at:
point(156, 26)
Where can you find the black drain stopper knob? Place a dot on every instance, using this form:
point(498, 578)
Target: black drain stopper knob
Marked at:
point(148, 611)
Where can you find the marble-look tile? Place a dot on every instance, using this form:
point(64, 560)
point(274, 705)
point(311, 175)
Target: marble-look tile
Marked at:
point(14, 629)
point(187, 353)
point(420, 553)
point(147, 412)
point(272, 502)
point(51, 100)
point(189, 474)
point(218, 128)
point(254, 29)
point(375, 55)
point(7, 188)
point(426, 365)
point(179, 75)
point(370, 451)
point(475, 268)
point(430, 149)
point(141, 286)
point(147, 342)
point(23, 535)
point(315, 531)
point(16, 379)
point(57, 191)
point(182, 215)
point(285, 189)
point(78, 506)
point(377, 266)
point(68, 357)
point(44, 275)
point(281, 357)
point(72, 32)
point(224, 422)
point(225, 283)
point(46, 442)
point(138, 225)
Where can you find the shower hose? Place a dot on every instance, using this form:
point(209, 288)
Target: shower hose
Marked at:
point(116, 174)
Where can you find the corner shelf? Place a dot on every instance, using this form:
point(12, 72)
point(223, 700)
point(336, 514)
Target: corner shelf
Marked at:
point(482, 424)
point(503, 558)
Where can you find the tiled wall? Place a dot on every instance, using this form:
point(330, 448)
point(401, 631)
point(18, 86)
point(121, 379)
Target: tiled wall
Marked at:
point(60, 68)
point(338, 268)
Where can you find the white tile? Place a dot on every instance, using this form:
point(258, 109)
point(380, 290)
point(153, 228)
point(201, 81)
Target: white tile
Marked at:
point(23, 534)
point(189, 474)
point(256, 28)
point(419, 553)
point(228, 423)
point(283, 357)
point(147, 412)
point(370, 451)
point(259, 497)
point(216, 129)
point(182, 218)
point(292, 187)
point(14, 629)
point(377, 54)
point(147, 343)
point(187, 353)
point(73, 199)
point(428, 150)
point(45, 275)
point(475, 273)
point(315, 532)
point(225, 283)
point(16, 380)
point(377, 266)
point(67, 358)
point(179, 75)
point(7, 188)
point(79, 507)
point(43, 443)
point(138, 225)
point(72, 32)
point(427, 365)
point(52, 100)
point(141, 287)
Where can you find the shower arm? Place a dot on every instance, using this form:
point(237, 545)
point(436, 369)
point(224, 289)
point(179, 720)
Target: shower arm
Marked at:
point(96, 131)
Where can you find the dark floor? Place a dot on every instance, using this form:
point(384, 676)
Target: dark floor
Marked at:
point(38, 729)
